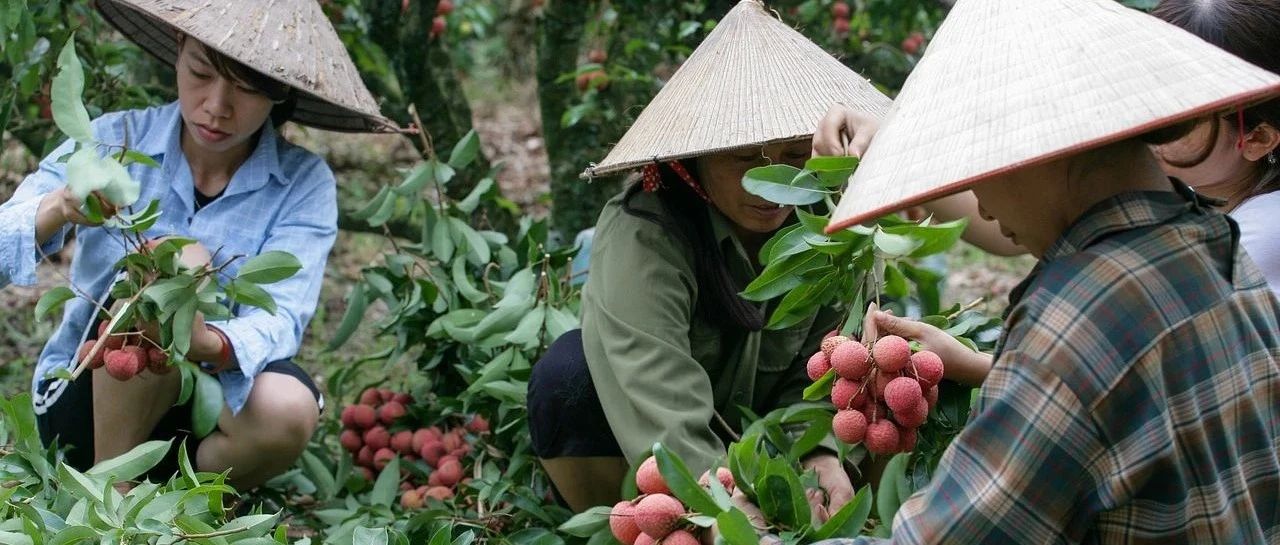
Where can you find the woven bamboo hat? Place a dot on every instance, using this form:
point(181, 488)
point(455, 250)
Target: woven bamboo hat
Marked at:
point(290, 41)
point(1007, 84)
point(753, 81)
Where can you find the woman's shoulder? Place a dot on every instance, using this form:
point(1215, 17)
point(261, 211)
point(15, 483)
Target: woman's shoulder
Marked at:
point(137, 127)
point(1259, 220)
point(299, 162)
point(640, 227)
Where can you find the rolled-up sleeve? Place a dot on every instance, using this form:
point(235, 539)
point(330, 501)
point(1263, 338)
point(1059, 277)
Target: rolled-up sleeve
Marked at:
point(306, 228)
point(19, 253)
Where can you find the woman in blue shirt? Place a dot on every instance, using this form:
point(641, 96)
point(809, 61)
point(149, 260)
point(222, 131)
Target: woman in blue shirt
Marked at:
point(228, 180)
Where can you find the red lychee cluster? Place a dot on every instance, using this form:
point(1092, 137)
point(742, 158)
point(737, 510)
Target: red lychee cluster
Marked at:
point(882, 395)
point(840, 11)
point(656, 516)
point(911, 44)
point(123, 355)
point(375, 431)
point(438, 24)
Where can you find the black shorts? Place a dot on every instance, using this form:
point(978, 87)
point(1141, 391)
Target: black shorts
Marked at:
point(565, 415)
point(67, 417)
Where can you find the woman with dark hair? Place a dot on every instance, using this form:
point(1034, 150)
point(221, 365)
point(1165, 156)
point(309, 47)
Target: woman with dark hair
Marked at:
point(228, 180)
point(668, 351)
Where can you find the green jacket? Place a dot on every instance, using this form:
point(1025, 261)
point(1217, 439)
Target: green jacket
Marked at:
point(659, 367)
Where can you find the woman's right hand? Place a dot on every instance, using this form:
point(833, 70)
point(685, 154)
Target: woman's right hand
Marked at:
point(62, 207)
point(840, 123)
point(959, 362)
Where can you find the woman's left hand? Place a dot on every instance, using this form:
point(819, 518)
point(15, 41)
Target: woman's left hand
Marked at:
point(834, 488)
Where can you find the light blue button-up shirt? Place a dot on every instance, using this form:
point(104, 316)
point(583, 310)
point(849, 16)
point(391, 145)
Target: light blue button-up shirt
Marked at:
point(282, 198)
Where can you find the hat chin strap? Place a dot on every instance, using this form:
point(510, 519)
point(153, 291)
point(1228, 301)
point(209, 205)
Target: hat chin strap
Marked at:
point(652, 178)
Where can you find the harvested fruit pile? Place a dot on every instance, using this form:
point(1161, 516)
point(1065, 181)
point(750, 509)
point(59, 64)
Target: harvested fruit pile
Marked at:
point(656, 516)
point(882, 394)
point(123, 355)
point(377, 430)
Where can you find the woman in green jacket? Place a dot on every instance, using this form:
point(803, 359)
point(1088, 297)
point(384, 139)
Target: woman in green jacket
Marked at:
point(668, 351)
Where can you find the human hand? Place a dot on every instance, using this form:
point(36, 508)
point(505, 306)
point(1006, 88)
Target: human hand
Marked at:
point(959, 362)
point(63, 206)
point(839, 123)
point(834, 488)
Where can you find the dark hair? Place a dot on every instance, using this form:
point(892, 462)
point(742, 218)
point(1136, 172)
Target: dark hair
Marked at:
point(277, 92)
point(1249, 29)
point(689, 220)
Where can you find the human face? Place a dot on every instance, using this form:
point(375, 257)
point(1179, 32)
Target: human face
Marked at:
point(721, 177)
point(1029, 205)
point(219, 115)
point(1225, 172)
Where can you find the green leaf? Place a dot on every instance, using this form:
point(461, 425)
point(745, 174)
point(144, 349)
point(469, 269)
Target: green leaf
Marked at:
point(465, 151)
point(526, 332)
point(820, 388)
point(356, 305)
point(169, 293)
point(67, 88)
point(250, 525)
point(388, 483)
point(781, 496)
point(783, 184)
point(931, 239)
point(472, 201)
point(386, 209)
point(587, 522)
point(848, 521)
point(373, 205)
point(463, 283)
point(416, 180)
point(832, 171)
point(817, 430)
point(736, 528)
point(135, 156)
point(319, 474)
point(130, 465)
point(887, 496)
point(370, 536)
point(269, 267)
point(84, 174)
point(53, 300)
point(72, 534)
point(780, 277)
point(183, 317)
point(251, 294)
point(477, 247)
point(895, 245)
point(207, 405)
point(682, 482)
point(80, 484)
point(442, 241)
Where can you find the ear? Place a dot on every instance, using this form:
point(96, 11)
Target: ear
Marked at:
point(1261, 141)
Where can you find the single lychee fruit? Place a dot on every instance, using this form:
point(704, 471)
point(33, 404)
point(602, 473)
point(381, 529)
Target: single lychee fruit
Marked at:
point(680, 537)
point(366, 473)
point(849, 426)
point(121, 364)
point(382, 458)
point(840, 10)
point(437, 26)
point(478, 425)
point(364, 416)
point(432, 452)
point(891, 353)
point(445, 7)
point(370, 397)
point(927, 367)
point(818, 366)
point(902, 394)
point(350, 440)
point(377, 438)
point(450, 472)
point(851, 360)
point(348, 417)
point(403, 399)
point(110, 342)
point(390, 411)
point(882, 437)
point(434, 479)
point(597, 56)
point(441, 493)
point(402, 442)
point(622, 522)
point(365, 456)
point(722, 474)
point(386, 394)
point(844, 393)
point(158, 361)
point(419, 437)
point(453, 441)
point(99, 359)
point(139, 357)
point(907, 439)
point(649, 480)
point(411, 499)
point(882, 381)
point(658, 514)
point(644, 539)
point(913, 417)
point(830, 343)
point(931, 396)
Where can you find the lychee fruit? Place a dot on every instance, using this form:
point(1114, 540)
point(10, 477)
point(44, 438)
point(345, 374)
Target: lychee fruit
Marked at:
point(450, 472)
point(386, 394)
point(139, 357)
point(453, 441)
point(432, 452)
point(121, 364)
point(882, 381)
point(363, 416)
point(109, 342)
point(370, 397)
point(818, 366)
point(845, 392)
point(437, 26)
point(851, 360)
point(158, 361)
point(902, 394)
point(366, 473)
point(597, 56)
point(99, 359)
point(390, 411)
point(402, 442)
point(907, 439)
point(658, 514)
point(882, 437)
point(377, 438)
point(849, 426)
point(891, 353)
point(830, 343)
point(383, 457)
point(351, 441)
point(622, 522)
point(445, 7)
point(649, 479)
point(478, 425)
point(913, 417)
point(928, 368)
point(419, 437)
point(931, 396)
point(840, 10)
point(644, 539)
point(411, 499)
point(348, 416)
point(722, 474)
point(680, 537)
point(441, 493)
point(365, 456)
point(403, 399)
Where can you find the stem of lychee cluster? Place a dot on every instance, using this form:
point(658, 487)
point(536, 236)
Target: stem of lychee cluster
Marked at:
point(970, 306)
point(727, 428)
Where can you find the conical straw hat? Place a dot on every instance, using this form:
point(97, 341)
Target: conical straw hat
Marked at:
point(753, 81)
point(289, 41)
point(1007, 84)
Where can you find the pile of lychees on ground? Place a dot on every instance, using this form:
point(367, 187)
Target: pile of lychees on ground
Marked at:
point(376, 431)
point(656, 515)
point(123, 355)
point(882, 394)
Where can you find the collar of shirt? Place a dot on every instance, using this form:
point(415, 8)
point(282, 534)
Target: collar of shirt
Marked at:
point(165, 144)
point(740, 263)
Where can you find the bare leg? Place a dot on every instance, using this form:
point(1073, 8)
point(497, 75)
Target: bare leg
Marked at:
point(266, 437)
point(586, 482)
point(125, 412)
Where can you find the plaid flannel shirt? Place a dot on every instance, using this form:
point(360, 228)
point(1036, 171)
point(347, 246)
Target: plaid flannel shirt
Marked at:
point(1135, 397)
